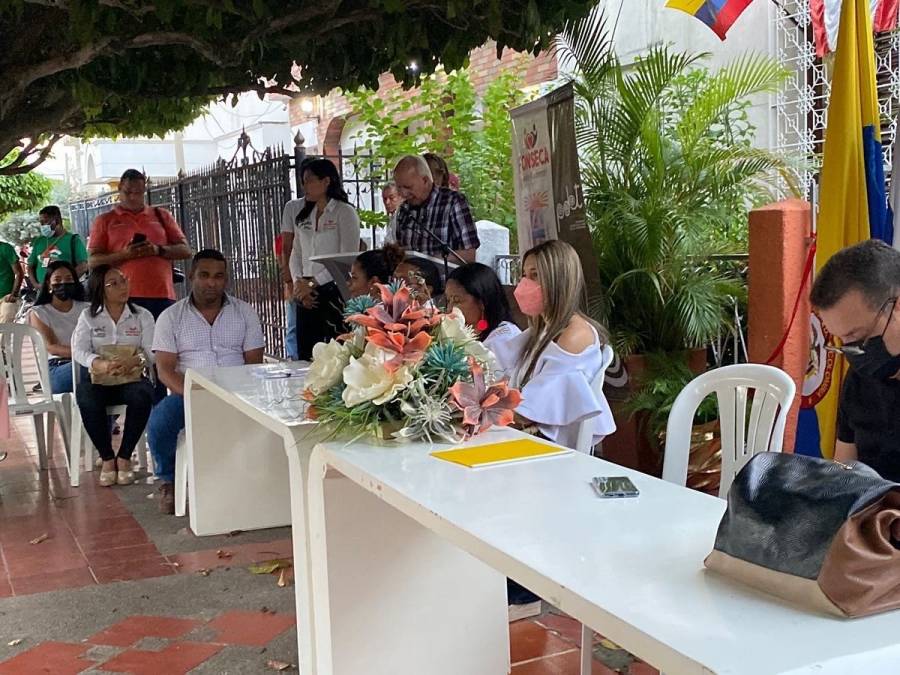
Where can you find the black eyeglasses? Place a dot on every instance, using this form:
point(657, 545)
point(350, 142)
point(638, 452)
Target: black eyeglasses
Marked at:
point(858, 347)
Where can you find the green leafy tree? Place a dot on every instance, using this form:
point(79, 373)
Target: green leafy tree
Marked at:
point(22, 192)
point(660, 175)
point(443, 116)
point(133, 67)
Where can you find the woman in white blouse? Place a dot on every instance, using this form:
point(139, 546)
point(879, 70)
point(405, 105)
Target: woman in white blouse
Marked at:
point(555, 360)
point(326, 225)
point(475, 290)
point(112, 320)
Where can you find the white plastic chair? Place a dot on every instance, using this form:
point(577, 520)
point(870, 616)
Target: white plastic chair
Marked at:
point(585, 433)
point(79, 438)
point(742, 437)
point(12, 342)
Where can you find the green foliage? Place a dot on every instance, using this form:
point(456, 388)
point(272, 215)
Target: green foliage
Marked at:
point(24, 192)
point(665, 377)
point(443, 115)
point(89, 68)
point(667, 166)
point(369, 219)
point(20, 228)
point(360, 420)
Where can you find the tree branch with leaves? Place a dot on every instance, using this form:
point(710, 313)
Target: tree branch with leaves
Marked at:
point(125, 67)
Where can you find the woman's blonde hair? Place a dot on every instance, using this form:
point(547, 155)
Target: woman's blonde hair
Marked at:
point(564, 293)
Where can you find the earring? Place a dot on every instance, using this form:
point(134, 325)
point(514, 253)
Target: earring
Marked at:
point(482, 325)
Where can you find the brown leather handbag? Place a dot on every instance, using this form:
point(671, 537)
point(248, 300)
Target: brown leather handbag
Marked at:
point(814, 532)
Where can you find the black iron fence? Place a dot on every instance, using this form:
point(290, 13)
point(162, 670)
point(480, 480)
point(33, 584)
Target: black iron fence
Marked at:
point(236, 207)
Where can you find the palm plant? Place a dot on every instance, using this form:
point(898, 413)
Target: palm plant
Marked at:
point(657, 170)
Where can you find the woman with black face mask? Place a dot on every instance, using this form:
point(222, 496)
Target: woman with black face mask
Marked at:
point(55, 313)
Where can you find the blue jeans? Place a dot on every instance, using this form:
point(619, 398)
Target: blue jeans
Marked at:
point(166, 422)
point(290, 339)
point(61, 376)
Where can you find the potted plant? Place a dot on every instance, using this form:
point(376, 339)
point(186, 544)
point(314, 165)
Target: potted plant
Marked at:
point(666, 168)
point(652, 401)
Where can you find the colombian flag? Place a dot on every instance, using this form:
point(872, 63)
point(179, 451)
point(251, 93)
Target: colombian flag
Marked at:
point(717, 14)
point(852, 206)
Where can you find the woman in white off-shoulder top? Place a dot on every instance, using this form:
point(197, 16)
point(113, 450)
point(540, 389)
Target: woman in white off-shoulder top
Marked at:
point(476, 292)
point(555, 360)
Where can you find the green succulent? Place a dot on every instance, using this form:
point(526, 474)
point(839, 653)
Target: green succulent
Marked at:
point(445, 362)
point(358, 305)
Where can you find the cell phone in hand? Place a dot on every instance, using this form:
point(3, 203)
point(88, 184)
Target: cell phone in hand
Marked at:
point(614, 487)
point(139, 238)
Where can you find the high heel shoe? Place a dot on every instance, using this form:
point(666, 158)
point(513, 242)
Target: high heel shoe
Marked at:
point(107, 478)
point(125, 477)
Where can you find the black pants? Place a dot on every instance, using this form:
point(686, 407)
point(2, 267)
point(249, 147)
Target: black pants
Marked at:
point(92, 402)
point(321, 323)
point(155, 306)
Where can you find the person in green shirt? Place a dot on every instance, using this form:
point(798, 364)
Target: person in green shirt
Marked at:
point(54, 243)
point(10, 282)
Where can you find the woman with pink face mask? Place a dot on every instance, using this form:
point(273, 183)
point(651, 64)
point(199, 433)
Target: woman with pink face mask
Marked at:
point(555, 360)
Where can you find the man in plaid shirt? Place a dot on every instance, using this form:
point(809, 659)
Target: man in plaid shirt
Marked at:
point(445, 212)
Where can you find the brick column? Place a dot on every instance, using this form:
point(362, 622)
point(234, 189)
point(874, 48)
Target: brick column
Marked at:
point(779, 242)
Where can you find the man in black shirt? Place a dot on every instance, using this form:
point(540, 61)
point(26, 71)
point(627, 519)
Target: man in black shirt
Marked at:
point(856, 295)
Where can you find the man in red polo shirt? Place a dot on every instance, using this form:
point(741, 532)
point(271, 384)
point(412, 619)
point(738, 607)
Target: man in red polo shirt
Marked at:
point(142, 241)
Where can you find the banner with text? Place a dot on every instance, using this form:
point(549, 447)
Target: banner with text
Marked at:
point(549, 197)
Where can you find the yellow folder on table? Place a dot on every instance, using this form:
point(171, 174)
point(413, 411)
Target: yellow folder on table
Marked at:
point(500, 453)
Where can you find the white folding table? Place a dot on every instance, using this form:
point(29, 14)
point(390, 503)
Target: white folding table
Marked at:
point(250, 455)
point(402, 542)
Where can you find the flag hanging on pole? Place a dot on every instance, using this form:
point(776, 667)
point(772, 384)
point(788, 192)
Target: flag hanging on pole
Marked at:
point(719, 15)
point(826, 19)
point(852, 207)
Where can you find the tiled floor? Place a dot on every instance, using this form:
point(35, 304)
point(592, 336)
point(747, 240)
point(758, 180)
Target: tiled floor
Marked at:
point(54, 537)
point(151, 645)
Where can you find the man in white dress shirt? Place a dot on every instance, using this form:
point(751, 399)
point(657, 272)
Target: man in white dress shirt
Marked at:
point(207, 329)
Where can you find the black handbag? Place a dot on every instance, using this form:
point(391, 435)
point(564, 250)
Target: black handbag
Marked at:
point(815, 532)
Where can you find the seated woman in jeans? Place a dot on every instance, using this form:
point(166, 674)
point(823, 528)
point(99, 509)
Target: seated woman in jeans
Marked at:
point(59, 303)
point(112, 320)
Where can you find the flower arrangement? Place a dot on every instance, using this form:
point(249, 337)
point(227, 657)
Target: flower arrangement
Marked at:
point(407, 369)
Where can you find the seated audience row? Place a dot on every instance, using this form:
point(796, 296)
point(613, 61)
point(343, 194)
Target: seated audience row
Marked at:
point(115, 344)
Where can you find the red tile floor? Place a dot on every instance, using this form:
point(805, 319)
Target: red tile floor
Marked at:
point(55, 537)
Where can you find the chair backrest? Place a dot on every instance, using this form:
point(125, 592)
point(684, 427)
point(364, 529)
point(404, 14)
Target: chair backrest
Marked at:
point(742, 436)
point(585, 430)
point(12, 353)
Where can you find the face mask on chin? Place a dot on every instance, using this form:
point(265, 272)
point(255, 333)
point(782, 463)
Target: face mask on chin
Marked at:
point(875, 360)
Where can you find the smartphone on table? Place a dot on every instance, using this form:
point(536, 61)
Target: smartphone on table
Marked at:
point(614, 487)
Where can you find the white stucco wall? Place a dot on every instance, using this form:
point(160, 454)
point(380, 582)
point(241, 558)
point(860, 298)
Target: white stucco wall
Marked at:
point(211, 136)
point(642, 23)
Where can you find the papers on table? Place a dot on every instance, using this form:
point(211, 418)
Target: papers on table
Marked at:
point(500, 453)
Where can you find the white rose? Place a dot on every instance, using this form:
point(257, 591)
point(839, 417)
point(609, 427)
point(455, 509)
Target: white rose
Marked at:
point(368, 379)
point(482, 354)
point(454, 329)
point(329, 361)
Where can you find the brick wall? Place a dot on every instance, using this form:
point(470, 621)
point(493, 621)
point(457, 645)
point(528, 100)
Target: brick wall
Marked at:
point(483, 64)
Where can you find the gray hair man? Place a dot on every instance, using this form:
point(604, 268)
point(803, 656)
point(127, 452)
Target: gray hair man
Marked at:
point(431, 210)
